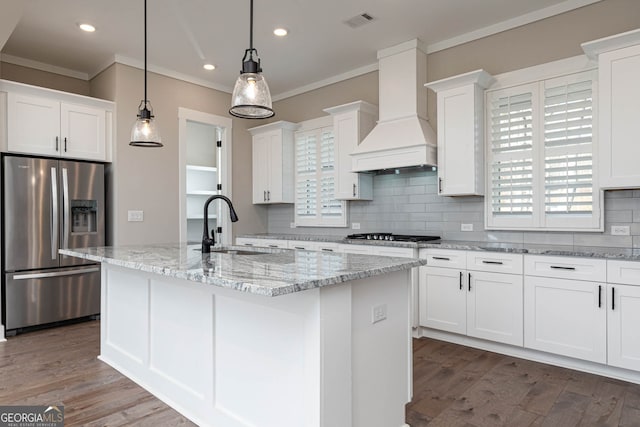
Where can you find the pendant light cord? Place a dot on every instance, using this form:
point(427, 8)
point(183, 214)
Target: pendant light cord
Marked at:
point(250, 26)
point(145, 54)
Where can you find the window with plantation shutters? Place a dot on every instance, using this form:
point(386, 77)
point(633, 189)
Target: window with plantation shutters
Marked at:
point(315, 202)
point(540, 154)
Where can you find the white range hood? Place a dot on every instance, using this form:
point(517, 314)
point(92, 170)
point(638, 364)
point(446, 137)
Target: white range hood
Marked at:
point(403, 137)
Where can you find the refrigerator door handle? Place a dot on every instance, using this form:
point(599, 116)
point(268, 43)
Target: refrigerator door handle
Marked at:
point(66, 229)
point(55, 274)
point(54, 213)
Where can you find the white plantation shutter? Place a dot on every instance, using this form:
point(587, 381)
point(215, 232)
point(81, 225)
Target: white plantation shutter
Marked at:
point(569, 193)
point(315, 203)
point(306, 175)
point(540, 150)
point(511, 156)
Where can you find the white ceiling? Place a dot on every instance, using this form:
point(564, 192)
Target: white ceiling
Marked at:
point(185, 34)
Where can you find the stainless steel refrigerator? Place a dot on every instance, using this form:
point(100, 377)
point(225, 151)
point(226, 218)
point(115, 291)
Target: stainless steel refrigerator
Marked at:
point(50, 204)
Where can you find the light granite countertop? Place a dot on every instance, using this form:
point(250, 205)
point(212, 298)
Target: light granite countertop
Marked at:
point(532, 249)
point(269, 272)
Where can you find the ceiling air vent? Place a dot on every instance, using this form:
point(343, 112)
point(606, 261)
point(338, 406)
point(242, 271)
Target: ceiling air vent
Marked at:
point(359, 20)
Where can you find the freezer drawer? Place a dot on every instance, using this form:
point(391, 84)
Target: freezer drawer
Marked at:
point(46, 296)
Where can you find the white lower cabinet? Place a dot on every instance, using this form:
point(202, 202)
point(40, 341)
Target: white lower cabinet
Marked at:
point(484, 303)
point(565, 306)
point(623, 307)
point(566, 317)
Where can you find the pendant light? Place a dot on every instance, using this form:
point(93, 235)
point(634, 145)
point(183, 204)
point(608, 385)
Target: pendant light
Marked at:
point(251, 98)
point(145, 130)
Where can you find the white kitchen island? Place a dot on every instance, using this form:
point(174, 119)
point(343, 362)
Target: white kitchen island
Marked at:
point(274, 339)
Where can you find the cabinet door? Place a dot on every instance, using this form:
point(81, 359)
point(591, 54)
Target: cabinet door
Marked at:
point(443, 299)
point(623, 321)
point(274, 189)
point(494, 307)
point(260, 169)
point(566, 317)
point(82, 131)
point(459, 156)
point(33, 125)
point(619, 91)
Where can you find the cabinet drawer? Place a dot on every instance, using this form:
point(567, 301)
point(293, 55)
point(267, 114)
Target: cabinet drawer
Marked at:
point(445, 258)
point(594, 270)
point(261, 243)
point(496, 262)
point(355, 249)
point(625, 272)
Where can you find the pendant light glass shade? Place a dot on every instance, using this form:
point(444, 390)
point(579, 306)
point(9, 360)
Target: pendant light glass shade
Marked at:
point(251, 98)
point(145, 130)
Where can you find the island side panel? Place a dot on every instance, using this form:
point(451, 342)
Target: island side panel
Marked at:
point(381, 351)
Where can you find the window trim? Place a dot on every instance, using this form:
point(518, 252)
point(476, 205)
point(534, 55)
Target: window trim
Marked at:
point(539, 220)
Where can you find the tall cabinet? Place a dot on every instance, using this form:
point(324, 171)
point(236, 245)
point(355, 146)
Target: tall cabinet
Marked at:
point(273, 162)
point(618, 108)
point(351, 124)
point(461, 133)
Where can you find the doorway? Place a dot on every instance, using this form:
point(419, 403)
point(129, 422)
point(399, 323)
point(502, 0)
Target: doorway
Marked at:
point(205, 170)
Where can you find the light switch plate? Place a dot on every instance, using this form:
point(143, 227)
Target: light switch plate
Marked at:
point(378, 313)
point(466, 227)
point(355, 225)
point(135, 216)
point(292, 225)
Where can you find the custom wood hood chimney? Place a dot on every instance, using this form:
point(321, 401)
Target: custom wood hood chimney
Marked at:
point(403, 137)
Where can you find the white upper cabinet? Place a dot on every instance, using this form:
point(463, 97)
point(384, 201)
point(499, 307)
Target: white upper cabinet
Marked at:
point(51, 123)
point(351, 123)
point(273, 162)
point(618, 108)
point(461, 133)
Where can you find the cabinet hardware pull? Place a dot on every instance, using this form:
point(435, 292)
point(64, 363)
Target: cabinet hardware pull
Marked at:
point(442, 258)
point(65, 144)
point(264, 196)
point(248, 244)
point(469, 282)
point(599, 296)
point(492, 262)
point(327, 249)
point(273, 246)
point(613, 298)
point(461, 280)
point(439, 185)
point(559, 267)
point(57, 138)
point(298, 247)
point(354, 190)
point(268, 195)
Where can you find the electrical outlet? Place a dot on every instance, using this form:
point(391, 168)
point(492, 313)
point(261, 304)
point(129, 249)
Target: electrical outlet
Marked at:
point(292, 225)
point(135, 216)
point(466, 227)
point(355, 225)
point(620, 230)
point(378, 313)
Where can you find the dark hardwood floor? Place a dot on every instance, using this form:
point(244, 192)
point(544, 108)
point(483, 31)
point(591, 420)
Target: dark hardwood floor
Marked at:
point(462, 386)
point(453, 386)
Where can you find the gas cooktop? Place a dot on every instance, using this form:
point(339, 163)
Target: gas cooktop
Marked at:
point(392, 237)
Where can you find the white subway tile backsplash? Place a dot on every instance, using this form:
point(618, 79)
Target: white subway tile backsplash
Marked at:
point(409, 203)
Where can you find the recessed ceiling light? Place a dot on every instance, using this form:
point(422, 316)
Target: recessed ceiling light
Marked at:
point(280, 32)
point(87, 27)
point(209, 67)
